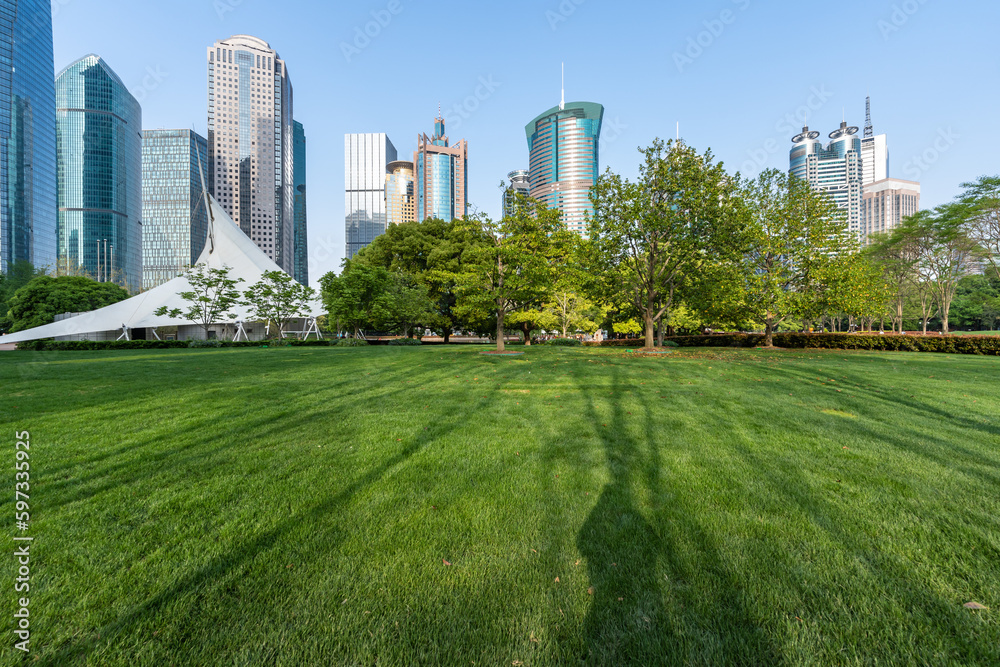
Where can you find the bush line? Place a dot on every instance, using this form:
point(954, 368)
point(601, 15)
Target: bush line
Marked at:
point(982, 345)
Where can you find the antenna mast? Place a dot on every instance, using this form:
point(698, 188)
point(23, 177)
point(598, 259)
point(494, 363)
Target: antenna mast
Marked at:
point(562, 103)
point(869, 129)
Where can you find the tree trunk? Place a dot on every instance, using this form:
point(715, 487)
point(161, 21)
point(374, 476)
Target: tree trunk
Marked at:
point(500, 318)
point(649, 331)
point(526, 329)
point(447, 336)
point(769, 333)
point(659, 333)
point(944, 318)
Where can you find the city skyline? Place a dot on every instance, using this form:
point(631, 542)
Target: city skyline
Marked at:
point(690, 67)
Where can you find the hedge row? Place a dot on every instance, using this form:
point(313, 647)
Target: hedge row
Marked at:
point(985, 345)
point(84, 345)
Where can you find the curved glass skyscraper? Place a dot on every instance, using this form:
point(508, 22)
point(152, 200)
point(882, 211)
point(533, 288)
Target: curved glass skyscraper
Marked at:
point(99, 159)
point(27, 135)
point(563, 146)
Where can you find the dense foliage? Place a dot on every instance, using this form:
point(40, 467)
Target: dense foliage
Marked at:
point(44, 297)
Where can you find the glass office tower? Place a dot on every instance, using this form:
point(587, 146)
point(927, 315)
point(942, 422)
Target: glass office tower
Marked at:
point(835, 170)
point(301, 219)
point(440, 176)
point(400, 205)
point(564, 156)
point(174, 219)
point(99, 166)
point(519, 184)
point(365, 159)
point(251, 151)
point(27, 135)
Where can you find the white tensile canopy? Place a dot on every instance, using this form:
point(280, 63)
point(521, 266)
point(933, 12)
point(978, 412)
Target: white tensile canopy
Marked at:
point(226, 246)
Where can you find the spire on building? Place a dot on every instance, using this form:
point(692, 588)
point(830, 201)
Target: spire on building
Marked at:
point(869, 129)
point(562, 100)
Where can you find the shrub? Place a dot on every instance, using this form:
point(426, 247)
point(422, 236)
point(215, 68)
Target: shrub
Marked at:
point(564, 342)
point(352, 342)
point(670, 343)
point(405, 341)
point(86, 345)
point(985, 345)
point(205, 343)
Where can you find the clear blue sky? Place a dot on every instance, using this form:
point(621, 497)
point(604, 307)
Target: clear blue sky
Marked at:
point(931, 68)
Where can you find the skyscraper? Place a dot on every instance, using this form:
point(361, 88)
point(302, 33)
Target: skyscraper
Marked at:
point(564, 157)
point(835, 170)
point(885, 203)
point(27, 135)
point(441, 176)
point(400, 204)
point(874, 151)
point(519, 184)
point(365, 159)
point(174, 219)
point(251, 151)
point(301, 219)
point(99, 167)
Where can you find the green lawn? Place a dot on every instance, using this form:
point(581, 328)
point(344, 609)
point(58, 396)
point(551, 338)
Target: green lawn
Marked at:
point(431, 506)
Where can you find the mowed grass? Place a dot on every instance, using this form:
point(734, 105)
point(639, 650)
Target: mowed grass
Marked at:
point(432, 506)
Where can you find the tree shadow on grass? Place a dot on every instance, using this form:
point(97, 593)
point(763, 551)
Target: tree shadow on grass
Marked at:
point(648, 559)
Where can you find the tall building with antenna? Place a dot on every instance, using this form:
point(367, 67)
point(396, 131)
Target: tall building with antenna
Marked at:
point(874, 151)
point(564, 159)
point(440, 175)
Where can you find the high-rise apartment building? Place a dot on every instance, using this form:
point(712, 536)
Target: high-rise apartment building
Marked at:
point(301, 219)
point(251, 150)
point(365, 159)
point(886, 203)
point(441, 174)
point(564, 158)
point(835, 170)
point(99, 167)
point(400, 203)
point(874, 151)
point(27, 135)
point(519, 184)
point(174, 218)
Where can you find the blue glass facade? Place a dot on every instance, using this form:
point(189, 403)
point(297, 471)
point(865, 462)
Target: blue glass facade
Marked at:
point(301, 273)
point(27, 135)
point(441, 176)
point(365, 159)
point(836, 170)
point(99, 174)
point(564, 159)
point(174, 219)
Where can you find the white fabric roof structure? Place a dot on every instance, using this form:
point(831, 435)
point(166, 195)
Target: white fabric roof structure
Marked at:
point(226, 246)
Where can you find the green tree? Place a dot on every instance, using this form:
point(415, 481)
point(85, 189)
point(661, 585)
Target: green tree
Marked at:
point(650, 233)
point(431, 251)
point(359, 297)
point(792, 234)
point(949, 253)
point(513, 264)
point(44, 297)
point(278, 298)
point(408, 306)
point(212, 296)
point(19, 273)
point(982, 201)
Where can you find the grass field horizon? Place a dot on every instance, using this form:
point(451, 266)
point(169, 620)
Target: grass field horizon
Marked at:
point(430, 505)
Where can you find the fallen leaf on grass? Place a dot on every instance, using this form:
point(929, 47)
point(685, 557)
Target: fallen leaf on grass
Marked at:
point(590, 591)
point(557, 580)
point(445, 562)
point(975, 605)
